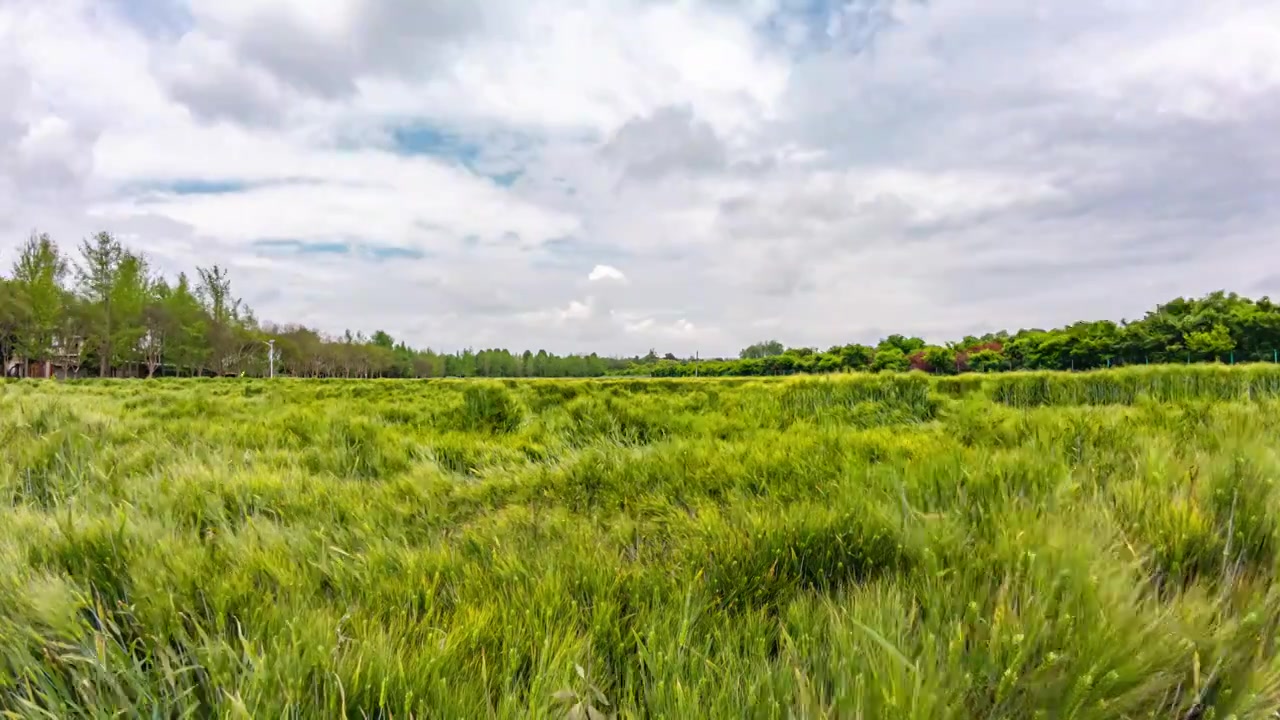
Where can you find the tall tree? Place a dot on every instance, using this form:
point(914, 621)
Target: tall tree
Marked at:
point(156, 324)
point(37, 276)
point(762, 349)
point(224, 341)
point(72, 329)
point(214, 290)
point(185, 327)
point(129, 301)
point(13, 316)
point(97, 273)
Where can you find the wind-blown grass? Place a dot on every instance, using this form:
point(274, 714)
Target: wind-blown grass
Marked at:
point(1099, 545)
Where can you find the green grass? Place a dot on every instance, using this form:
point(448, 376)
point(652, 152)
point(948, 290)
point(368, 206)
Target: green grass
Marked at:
point(1098, 545)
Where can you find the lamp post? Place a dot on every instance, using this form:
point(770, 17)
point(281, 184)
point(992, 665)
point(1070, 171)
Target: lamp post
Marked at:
point(271, 357)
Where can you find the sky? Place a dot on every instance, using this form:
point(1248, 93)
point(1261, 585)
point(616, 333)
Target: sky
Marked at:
point(682, 175)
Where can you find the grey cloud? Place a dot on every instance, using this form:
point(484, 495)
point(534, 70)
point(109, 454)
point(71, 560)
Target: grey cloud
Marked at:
point(46, 161)
point(669, 140)
point(13, 87)
point(397, 30)
point(401, 38)
point(781, 274)
point(312, 64)
point(228, 94)
point(785, 239)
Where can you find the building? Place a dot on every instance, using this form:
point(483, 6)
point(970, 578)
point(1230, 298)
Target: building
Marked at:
point(63, 364)
point(56, 369)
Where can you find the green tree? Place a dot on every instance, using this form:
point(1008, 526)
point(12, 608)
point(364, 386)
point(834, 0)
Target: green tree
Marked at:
point(907, 345)
point(828, 362)
point(156, 324)
point(73, 327)
point(856, 357)
point(131, 296)
point(986, 360)
point(13, 316)
point(1211, 345)
point(891, 359)
point(763, 349)
point(226, 342)
point(940, 359)
point(37, 279)
point(184, 327)
point(97, 272)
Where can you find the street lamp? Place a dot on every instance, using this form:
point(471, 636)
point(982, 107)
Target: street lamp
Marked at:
point(271, 356)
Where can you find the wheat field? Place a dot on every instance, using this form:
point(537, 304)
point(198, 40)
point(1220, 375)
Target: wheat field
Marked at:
point(1030, 545)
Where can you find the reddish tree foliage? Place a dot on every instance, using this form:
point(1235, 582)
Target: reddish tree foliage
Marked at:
point(962, 357)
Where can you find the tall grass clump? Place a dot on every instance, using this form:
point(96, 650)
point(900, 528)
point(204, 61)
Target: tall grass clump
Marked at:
point(865, 399)
point(489, 408)
point(1163, 383)
point(1028, 545)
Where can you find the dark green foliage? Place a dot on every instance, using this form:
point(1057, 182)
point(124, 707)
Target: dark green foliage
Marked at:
point(1217, 328)
point(890, 359)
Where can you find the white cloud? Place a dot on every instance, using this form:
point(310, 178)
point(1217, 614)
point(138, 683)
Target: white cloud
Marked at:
point(606, 272)
point(824, 175)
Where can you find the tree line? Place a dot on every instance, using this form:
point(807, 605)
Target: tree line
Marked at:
point(103, 311)
point(1219, 327)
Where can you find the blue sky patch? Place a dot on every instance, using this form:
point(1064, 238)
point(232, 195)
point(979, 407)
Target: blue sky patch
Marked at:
point(389, 252)
point(157, 190)
point(507, 179)
point(156, 18)
point(497, 156)
point(205, 187)
point(366, 250)
point(425, 139)
point(303, 247)
point(859, 23)
point(811, 15)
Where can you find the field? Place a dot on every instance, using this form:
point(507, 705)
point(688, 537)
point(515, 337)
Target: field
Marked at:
point(1095, 545)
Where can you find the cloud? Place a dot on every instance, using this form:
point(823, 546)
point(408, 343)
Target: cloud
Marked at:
point(606, 273)
point(446, 170)
point(206, 76)
point(669, 140)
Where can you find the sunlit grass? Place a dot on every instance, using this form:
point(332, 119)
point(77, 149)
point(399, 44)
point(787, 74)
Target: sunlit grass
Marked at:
point(1098, 545)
